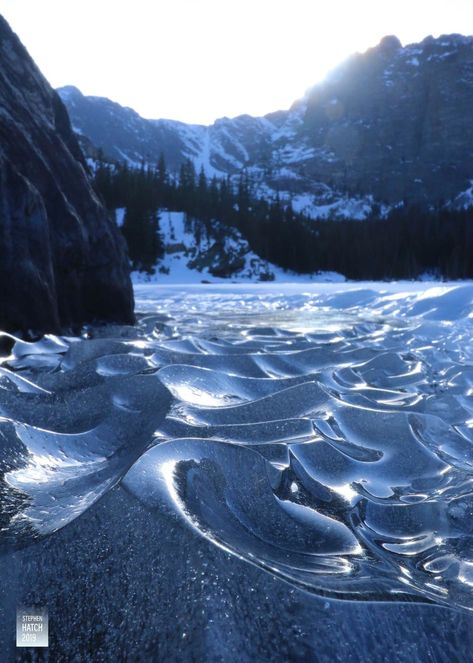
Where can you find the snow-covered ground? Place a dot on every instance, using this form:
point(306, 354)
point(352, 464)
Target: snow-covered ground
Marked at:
point(181, 252)
point(429, 300)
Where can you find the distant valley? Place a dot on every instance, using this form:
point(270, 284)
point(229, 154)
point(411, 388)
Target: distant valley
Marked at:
point(388, 127)
point(384, 147)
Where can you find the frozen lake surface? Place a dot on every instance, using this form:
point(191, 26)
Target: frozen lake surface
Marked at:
point(255, 472)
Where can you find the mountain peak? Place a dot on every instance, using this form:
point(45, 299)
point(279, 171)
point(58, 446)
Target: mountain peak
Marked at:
point(70, 95)
point(390, 43)
point(69, 92)
point(389, 125)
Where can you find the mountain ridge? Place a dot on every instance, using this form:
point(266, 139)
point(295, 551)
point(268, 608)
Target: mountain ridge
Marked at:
point(387, 126)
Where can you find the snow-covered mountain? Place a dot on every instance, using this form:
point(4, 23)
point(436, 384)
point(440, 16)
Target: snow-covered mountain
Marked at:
point(390, 125)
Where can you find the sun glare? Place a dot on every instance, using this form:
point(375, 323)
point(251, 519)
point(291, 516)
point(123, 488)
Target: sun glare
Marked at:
point(196, 61)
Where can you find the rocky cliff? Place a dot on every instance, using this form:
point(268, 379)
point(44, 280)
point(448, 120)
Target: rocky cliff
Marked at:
point(396, 122)
point(388, 125)
point(63, 261)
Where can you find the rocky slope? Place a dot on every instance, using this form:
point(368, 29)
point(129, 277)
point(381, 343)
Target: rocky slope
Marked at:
point(63, 260)
point(389, 125)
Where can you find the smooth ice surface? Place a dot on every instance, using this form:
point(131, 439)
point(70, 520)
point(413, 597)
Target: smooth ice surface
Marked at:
point(323, 433)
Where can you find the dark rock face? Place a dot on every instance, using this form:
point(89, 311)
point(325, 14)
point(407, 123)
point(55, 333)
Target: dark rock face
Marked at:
point(63, 261)
point(397, 121)
point(388, 125)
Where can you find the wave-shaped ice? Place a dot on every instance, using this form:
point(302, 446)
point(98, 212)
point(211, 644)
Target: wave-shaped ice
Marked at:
point(323, 433)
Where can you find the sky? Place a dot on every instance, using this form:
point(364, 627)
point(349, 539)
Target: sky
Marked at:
point(197, 60)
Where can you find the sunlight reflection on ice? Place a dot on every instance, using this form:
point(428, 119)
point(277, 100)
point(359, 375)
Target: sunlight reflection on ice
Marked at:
point(320, 432)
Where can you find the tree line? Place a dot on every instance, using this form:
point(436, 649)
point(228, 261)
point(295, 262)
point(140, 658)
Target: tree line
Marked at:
point(410, 242)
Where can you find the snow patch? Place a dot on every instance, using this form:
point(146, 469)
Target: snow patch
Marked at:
point(182, 254)
point(464, 200)
point(120, 216)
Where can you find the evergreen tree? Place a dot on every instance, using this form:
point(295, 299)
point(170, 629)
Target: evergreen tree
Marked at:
point(409, 242)
point(141, 231)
